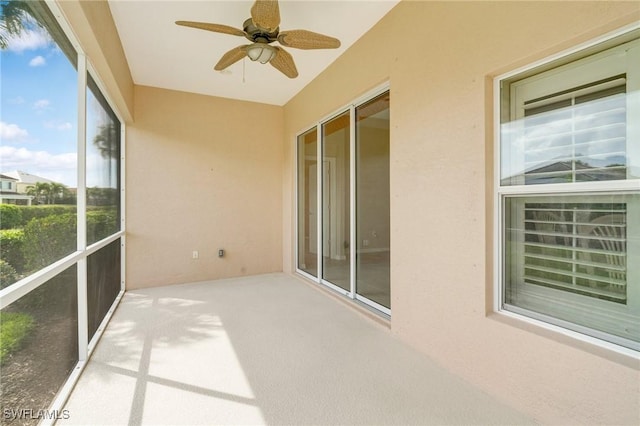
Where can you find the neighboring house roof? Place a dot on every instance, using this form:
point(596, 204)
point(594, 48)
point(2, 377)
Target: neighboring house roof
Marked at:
point(27, 178)
point(587, 172)
point(5, 177)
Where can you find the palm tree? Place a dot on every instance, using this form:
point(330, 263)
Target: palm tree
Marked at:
point(14, 15)
point(33, 192)
point(56, 192)
point(40, 191)
point(107, 141)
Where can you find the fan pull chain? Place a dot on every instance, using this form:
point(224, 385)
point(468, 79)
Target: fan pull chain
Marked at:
point(244, 61)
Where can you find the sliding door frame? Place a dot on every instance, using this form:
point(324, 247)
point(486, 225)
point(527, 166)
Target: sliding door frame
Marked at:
point(351, 109)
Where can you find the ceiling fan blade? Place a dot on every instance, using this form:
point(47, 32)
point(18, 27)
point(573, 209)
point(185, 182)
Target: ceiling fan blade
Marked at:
point(231, 57)
point(283, 62)
point(303, 39)
point(265, 14)
point(216, 28)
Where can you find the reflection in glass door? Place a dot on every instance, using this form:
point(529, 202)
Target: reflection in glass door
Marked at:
point(308, 202)
point(372, 201)
point(336, 202)
point(343, 227)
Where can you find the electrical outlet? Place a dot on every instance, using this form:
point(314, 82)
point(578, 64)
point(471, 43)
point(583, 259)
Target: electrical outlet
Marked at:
point(195, 254)
point(365, 243)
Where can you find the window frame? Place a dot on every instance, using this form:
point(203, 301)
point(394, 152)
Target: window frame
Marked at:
point(79, 257)
point(578, 301)
point(585, 51)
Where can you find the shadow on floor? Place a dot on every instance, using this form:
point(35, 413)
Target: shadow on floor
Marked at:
point(264, 350)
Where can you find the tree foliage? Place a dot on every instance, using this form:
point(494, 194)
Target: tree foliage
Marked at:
point(15, 18)
point(48, 193)
point(8, 274)
point(12, 248)
point(12, 17)
point(10, 216)
point(101, 224)
point(106, 141)
point(102, 196)
point(38, 192)
point(33, 212)
point(49, 239)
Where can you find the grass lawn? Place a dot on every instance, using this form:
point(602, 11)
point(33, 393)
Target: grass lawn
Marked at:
point(14, 328)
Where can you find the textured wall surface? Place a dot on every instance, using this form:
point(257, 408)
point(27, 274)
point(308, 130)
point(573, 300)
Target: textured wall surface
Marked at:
point(200, 176)
point(439, 59)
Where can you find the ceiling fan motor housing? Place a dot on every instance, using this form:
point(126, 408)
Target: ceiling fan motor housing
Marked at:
point(259, 35)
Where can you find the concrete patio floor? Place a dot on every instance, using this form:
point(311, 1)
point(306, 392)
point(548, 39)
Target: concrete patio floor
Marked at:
point(266, 349)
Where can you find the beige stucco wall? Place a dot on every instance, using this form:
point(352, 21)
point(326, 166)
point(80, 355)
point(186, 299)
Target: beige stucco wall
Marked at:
point(198, 180)
point(439, 58)
point(203, 173)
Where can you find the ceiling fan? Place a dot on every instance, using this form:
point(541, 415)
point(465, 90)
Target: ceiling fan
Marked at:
point(262, 29)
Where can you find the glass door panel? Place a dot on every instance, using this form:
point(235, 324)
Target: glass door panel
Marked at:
point(308, 202)
point(372, 201)
point(336, 203)
point(103, 175)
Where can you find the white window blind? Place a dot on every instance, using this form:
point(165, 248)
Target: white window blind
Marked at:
point(577, 247)
point(574, 259)
point(577, 134)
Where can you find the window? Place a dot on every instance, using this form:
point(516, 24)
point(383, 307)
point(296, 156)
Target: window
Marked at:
point(569, 192)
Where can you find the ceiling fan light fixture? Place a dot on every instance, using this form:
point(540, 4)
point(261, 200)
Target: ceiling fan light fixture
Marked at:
point(261, 52)
point(261, 29)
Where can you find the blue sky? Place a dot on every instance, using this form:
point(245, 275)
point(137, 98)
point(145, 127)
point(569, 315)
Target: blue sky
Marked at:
point(38, 109)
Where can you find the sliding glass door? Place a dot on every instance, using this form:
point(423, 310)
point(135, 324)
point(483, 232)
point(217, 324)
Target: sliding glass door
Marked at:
point(372, 201)
point(343, 202)
point(308, 202)
point(336, 202)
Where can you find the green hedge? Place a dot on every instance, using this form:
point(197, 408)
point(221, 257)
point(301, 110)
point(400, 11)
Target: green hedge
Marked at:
point(101, 224)
point(49, 239)
point(10, 216)
point(39, 212)
point(8, 274)
point(44, 240)
point(12, 248)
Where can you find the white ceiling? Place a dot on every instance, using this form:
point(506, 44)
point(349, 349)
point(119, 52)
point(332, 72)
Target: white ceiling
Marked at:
point(162, 54)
